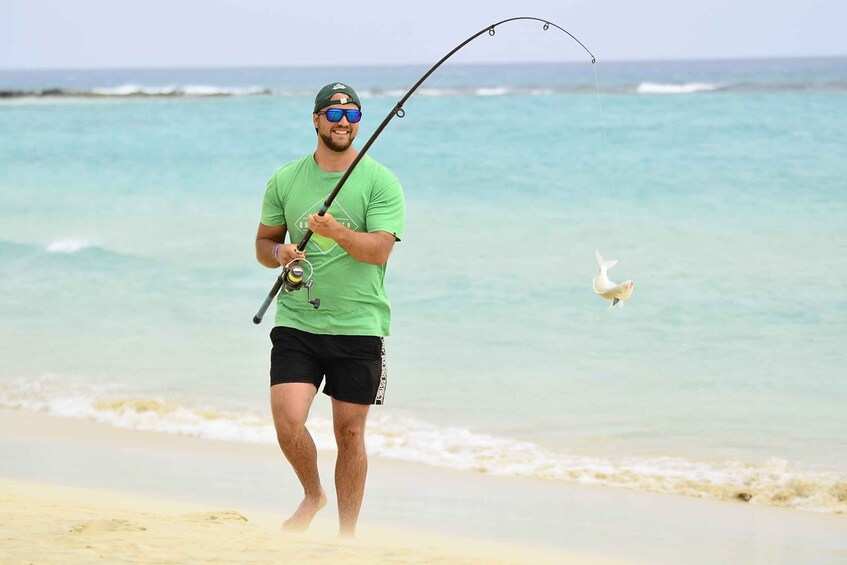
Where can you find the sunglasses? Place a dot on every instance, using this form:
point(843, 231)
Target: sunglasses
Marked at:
point(335, 114)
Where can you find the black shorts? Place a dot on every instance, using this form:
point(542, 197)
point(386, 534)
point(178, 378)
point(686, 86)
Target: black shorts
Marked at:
point(354, 365)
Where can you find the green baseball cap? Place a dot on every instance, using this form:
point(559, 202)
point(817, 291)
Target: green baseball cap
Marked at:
point(322, 100)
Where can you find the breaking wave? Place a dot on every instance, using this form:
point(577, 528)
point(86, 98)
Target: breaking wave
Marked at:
point(69, 245)
point(772, 482)
point(684, 88)
point(201, 91)
point(133, 90)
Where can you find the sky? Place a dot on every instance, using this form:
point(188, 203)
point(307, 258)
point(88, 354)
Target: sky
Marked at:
point(56, 34)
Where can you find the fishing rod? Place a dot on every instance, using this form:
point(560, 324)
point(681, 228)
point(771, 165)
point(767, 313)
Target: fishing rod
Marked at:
point(293, 276)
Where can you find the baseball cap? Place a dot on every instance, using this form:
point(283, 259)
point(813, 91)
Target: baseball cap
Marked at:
point(322, 100)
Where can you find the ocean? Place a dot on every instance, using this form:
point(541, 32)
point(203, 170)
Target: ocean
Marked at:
point(129, 201)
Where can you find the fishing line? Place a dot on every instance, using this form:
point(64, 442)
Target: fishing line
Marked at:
point(448, 71)
point(294, 281)
point(611, 176)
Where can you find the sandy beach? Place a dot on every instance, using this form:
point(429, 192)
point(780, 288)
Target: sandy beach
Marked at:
point(75, 491)
point(129, 513)
point(57, 524)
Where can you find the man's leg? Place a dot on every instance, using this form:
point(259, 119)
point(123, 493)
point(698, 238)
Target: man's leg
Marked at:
point(290, 404)
point(351, 467)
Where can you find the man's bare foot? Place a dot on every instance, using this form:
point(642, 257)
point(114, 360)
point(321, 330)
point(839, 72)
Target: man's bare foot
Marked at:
point(302, 517)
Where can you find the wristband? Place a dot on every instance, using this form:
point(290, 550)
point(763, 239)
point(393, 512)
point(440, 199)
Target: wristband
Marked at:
point(276, 251)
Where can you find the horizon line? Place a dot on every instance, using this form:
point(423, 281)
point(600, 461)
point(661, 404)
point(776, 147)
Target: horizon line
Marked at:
point(411, 64)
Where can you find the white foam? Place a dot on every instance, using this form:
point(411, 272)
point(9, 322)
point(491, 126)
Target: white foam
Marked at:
point(134, 90)
point(499, 91)
point(772, 482)
point(197, 90)
point(435, 92)
point(684, 88)
point(69, 245)
point(395, 92)
point(203, 90)
point(113, 406)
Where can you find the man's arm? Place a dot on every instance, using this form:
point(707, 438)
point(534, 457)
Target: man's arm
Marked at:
point(373, 247)
point(267, 239)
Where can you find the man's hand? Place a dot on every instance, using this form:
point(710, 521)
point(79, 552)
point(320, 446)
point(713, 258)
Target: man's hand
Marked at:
point(325, 225)
point(367, 247)
point(287, 252)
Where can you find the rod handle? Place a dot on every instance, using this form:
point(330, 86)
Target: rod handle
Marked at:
point(257, 319)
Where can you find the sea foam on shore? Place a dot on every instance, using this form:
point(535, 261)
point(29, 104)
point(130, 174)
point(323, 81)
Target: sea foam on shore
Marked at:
point(771, 482)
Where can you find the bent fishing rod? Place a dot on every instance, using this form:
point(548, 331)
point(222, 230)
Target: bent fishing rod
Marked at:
point(293, 276)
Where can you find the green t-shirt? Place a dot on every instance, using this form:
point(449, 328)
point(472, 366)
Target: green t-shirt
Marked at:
point(352, 293)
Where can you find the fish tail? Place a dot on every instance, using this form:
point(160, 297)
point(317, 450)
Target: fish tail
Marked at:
point(604, 265)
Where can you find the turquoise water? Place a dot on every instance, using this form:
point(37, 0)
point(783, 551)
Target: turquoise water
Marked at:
point(127, 276)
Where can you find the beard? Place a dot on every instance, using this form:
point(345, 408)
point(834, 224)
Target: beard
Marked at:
point(337, 147)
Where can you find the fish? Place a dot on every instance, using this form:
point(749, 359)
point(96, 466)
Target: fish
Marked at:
point(617, 293)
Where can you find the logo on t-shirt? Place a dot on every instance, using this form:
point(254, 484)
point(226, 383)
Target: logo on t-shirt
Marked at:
point(325, 244)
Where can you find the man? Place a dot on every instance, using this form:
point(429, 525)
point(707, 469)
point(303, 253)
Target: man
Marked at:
point(341, 341)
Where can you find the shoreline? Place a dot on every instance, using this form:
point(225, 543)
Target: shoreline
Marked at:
point(547, 521)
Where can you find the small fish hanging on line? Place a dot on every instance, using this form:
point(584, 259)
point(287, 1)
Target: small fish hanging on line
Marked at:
point(617, 293)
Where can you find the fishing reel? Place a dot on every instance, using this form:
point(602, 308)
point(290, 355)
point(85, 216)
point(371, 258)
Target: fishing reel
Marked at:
point(294, 278)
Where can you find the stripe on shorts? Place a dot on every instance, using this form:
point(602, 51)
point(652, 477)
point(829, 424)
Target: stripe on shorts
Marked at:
point(383, 377)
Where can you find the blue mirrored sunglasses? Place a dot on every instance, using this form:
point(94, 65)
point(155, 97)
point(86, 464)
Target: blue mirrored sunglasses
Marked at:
point(334, 114)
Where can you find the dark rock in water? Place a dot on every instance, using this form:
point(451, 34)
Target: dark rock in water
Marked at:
point(24, 93)
point(745, 496)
